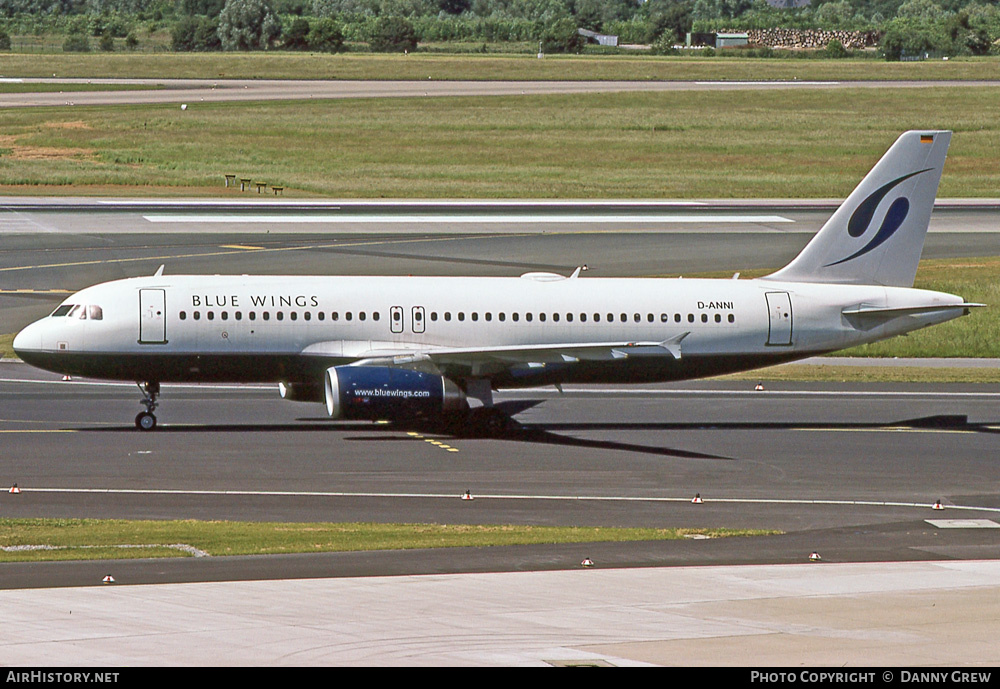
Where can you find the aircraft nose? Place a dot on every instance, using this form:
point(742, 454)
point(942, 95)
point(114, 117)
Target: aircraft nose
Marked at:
point(29, 339)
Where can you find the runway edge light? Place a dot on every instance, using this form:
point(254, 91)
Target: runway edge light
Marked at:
point(14, 490)
point(696, 500)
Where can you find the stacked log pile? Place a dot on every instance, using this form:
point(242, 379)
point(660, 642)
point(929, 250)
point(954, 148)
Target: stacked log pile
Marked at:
point(810, 38)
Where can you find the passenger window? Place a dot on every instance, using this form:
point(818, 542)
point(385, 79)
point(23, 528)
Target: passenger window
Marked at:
point(183, 315)
point(514, 316)
point(663, 318)
point(569, 318)
point(475, 315)
point(636, 317)
point(267, 315)
point(718, 318)
point(211, 315)
point(321, 315)
point(624, 317)
point(347, 316)
point(528, 316)
point(253, 315)
point(361, 316)
point(732, 318)
point(555, 317)
point(225, 315)
point(489, 316)
point(280, 315)
point(294, 315)
point(541, 317)
point(583, 318)
point(434, 315)
point(308, 316)
point(239, 315)
point(334, 316)
point(597, 318)
point(502, 316)
point(704, 318)
point(197, 315)
point(96, 313)
point(677, 318)
point(375, 316)
point(447, 315)
point(690, 318)
point(62, 310)
point(461, 315)
point(649, 317)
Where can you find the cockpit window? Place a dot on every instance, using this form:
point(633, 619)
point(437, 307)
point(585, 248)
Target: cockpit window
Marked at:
point(62, 310)
point(77, 310)
point(95, 312)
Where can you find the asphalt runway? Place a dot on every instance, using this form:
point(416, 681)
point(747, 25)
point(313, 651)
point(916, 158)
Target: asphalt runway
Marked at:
point(851, 471)
point(52, 247)
point(846, 471)
point(194, 91)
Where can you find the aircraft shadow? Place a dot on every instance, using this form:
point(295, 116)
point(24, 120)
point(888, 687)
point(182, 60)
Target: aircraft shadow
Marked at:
point(549, 433)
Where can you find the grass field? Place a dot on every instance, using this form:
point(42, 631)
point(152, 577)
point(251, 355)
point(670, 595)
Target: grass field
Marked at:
point(640, 66)
point(91, 539)
point(741, 144)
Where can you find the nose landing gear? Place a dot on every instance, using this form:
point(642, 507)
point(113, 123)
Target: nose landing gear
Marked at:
point(146, 420)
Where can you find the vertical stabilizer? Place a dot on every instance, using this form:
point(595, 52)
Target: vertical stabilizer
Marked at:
point(877, 234)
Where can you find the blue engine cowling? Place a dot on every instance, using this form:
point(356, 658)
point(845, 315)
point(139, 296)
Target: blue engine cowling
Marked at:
point(380, 392)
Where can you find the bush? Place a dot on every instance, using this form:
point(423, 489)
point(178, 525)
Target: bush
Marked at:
point(836, 49)
point(393, 35)
point(76, 43)
point(4, 40)
point(107, 42)
point(195, 34)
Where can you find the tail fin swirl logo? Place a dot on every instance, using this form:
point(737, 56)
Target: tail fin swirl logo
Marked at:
point(861, 219)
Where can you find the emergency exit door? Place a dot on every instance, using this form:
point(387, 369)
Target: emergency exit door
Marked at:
point(152, 316)
point(779, 309)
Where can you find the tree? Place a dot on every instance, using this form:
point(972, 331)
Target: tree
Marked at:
point(393, 35)
point(248, 25)
point(455, 6)
point(561, 36)
point(296, 34)
point(325, 36)
point(4, 40)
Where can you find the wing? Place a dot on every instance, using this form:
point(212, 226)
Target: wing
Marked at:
point(485, 362)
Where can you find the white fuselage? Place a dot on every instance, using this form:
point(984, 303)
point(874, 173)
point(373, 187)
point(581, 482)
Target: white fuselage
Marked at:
point(271, 328)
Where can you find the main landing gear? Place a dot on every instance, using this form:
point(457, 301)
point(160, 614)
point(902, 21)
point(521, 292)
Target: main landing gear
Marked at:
point(146, 420)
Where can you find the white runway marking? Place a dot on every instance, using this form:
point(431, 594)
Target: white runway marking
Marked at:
point(466, 218)
point(480, 496)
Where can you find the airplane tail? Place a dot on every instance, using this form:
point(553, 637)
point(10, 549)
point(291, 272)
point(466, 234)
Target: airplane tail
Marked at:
point(877, 234)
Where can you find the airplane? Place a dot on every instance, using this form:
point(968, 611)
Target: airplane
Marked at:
point(434, 347)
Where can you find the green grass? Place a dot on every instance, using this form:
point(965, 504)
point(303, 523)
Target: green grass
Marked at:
point(80, 539)
point(638, 66)
point(6, 346)
point(740, 144)
point(806, 373)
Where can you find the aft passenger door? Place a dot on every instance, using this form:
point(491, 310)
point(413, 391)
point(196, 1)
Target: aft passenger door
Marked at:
point(779, 313)
point(152, 316)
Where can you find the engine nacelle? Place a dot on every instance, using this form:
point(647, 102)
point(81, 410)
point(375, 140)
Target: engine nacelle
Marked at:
point(301, 392)
point(381, 392)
